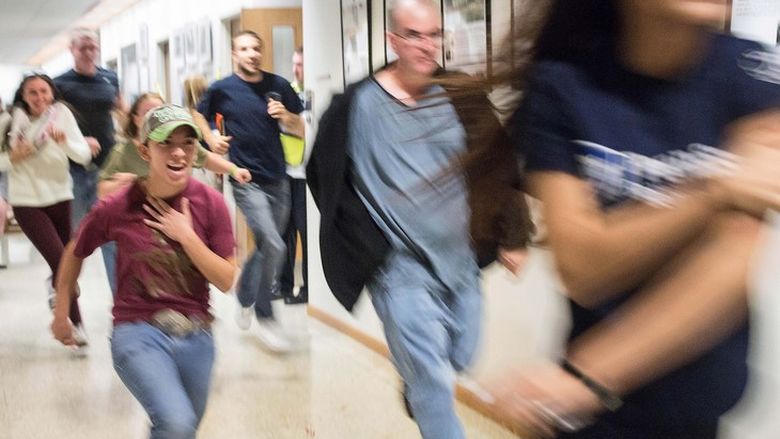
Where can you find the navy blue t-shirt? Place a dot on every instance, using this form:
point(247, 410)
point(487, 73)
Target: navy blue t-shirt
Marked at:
point(243, 105)
point(634, 137)
point(92, 98)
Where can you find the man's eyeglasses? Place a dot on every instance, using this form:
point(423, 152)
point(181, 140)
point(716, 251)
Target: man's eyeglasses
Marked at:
point(419, 37)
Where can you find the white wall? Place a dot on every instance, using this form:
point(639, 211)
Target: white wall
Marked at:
point(10, 78)
point(163, 18)
point(757, 20)
point(756, 418)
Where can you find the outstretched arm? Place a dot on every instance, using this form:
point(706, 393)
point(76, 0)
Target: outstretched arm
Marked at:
point(67, 275)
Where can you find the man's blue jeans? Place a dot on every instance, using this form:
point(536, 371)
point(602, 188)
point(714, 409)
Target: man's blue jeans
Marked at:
point(432, 332)
point(169, 376)
point(266, 207)
point(84, 192)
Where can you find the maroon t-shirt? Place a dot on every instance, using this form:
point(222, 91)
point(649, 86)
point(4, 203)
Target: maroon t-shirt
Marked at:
point(153, 271)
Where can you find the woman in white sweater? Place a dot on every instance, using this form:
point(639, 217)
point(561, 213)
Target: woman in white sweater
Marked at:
point(43, 136)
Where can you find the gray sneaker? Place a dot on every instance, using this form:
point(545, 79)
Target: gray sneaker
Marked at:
point(51, 294)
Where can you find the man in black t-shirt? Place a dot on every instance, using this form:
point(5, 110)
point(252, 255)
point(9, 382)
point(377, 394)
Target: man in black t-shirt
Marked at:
point(92, 92)
point(256, 107)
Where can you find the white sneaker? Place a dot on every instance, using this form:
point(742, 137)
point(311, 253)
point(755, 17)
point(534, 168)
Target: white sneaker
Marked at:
point(244, 316)
point(273, 336)
point(81, 348)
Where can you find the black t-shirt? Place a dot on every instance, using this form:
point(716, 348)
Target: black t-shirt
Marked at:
point(634, 137)
point(243, 105)
point(92, 99)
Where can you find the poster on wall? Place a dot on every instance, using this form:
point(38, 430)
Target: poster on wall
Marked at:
point(355, 32)
point(131, 86)
point(465, 35)
point(191, 54)
point(757, 20)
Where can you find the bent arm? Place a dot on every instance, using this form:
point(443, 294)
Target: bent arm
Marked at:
point(75, 146)
point(216, 269)
point(694, 304)
point(67, 275)
point(215, 163)
point(600, 254)
point(293, 124)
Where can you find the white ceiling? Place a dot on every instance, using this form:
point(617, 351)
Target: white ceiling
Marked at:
point(31, 31)
point(26, 26)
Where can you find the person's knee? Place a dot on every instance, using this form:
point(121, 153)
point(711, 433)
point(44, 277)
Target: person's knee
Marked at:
point(179, 425)
point(275, 248)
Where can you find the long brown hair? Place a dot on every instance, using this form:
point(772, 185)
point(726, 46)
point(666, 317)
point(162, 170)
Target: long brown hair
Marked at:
point(130, 129)
point(194, 87)
point(18, 96)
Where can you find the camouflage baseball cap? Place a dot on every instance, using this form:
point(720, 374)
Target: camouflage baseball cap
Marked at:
point(160, 122)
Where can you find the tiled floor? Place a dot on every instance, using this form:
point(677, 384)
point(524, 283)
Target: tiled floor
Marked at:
point(332, 388)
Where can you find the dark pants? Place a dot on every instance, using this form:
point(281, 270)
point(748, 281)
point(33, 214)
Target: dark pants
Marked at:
point(296, 225)
point(48, 228)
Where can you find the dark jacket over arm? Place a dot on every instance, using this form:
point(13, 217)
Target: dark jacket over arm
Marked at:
point(352, 245)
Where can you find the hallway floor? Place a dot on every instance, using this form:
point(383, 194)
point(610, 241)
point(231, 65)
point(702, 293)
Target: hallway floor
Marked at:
point(331, 388)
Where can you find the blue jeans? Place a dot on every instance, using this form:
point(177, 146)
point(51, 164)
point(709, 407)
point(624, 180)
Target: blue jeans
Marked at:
point(169, 376)
point(84, 192)
point(266, 207)
point(108, 250)
point(432, 332)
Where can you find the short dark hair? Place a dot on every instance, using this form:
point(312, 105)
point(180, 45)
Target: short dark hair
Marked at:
point(252, 34)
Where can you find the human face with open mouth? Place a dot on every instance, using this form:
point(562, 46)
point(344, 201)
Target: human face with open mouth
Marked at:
point(170, 161)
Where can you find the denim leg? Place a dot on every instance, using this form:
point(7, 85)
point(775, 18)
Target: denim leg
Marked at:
point(415, 318)
point(266, 207)
point(158, 370)
point(108, 250)
point(195, 358)
point(84, 193)
point(466, 323)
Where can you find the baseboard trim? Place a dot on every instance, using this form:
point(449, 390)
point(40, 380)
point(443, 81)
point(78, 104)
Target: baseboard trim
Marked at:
point(462, 394)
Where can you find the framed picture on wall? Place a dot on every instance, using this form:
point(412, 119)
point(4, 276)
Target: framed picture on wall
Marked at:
point(131, 74)
point(355, 39)
point(466, 43)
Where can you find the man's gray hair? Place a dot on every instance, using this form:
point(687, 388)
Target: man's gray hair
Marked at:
point(396, 5)
point(81, 33)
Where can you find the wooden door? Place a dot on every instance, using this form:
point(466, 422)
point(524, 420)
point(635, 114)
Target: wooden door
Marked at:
point(269, 23)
